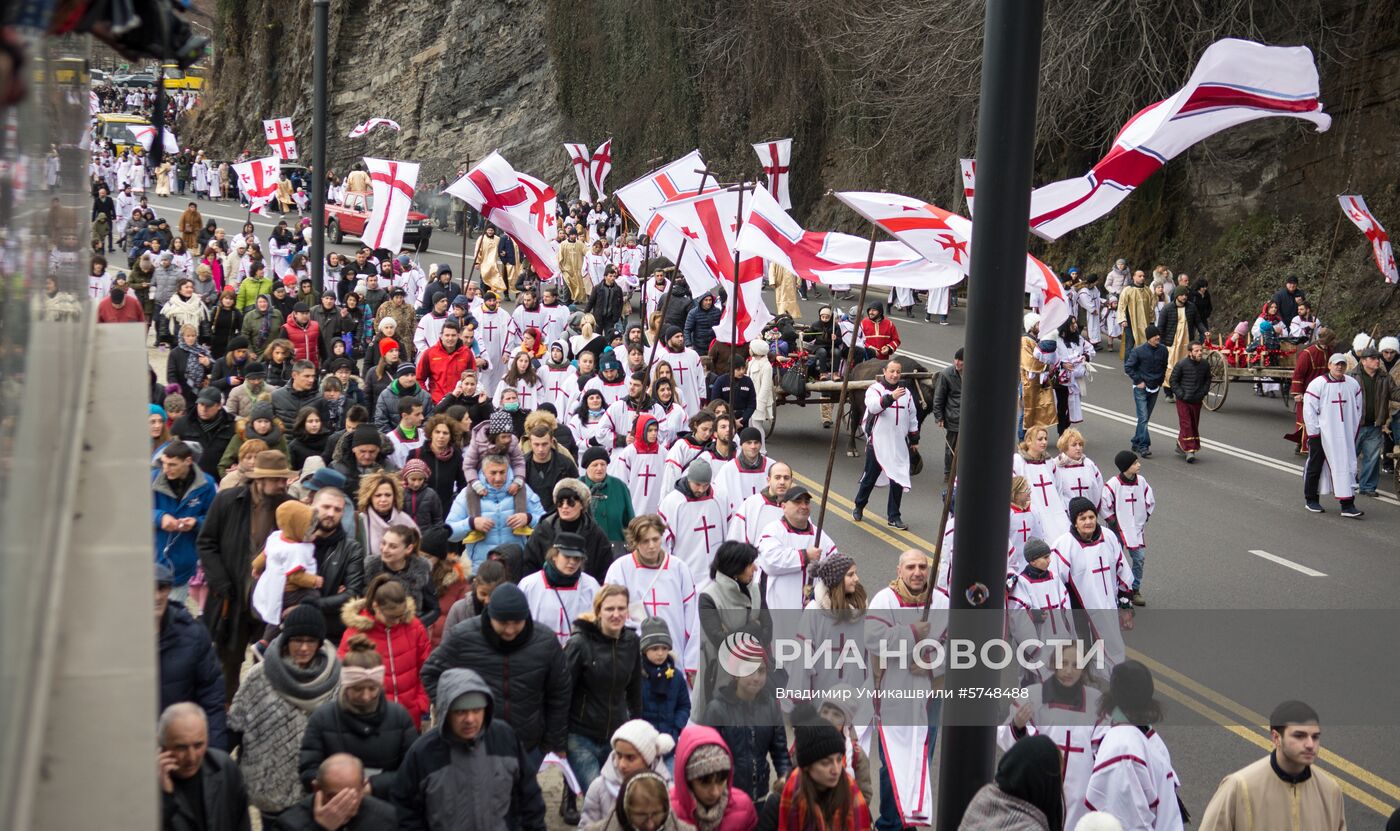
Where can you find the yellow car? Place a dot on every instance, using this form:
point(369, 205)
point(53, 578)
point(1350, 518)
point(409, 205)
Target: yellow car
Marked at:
point(177, 78)
point(118, 127)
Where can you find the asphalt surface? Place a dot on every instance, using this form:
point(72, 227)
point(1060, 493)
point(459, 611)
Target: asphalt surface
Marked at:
point(1241, 497)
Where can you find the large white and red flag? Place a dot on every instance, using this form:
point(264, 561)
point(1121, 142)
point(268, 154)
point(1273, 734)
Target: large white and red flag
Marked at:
point(776, 158)
point(257, 178)
point(543, 203)
point(768, 232)
point(493, 188)
point(392, 185)
point(711, 223)
point(599, 167)
point(280, 137)
point(1235, 81)
point(579, 158)
point(146, 136)
point(362, 130)
point(944, 237)
point(968, 178)
point(678, 180)
point(1355, 209)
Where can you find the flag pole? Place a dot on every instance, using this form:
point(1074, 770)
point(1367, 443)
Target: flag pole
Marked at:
point(666, 301)
point(319, 132)
point(845, 387)
point(466, 275)
point(942, 528)
point(734, 312)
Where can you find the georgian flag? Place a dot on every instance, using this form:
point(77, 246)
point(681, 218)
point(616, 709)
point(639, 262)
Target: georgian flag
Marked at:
point(1235, 81)
point(280, 137)
point(776, 158)
point(145, 135)
point(600, 166)
point(944, 237)
point(257, 178)
point(678, 180)
point(392, 184)
point(1355, 209)
point(362, 130)
point(543, 203)
point(493, 188)
point(969, 181)
point(578, 157)
point(769, 233)
point(711, 222)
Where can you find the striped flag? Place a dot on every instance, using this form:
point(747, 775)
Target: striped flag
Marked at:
point(1355, 209)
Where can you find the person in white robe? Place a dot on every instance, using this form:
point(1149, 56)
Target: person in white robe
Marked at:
point(1031, 462)
point(686, 368)
point(654, 293)
point(1075, 473)
point(1127, 505)
point(695, 521)
point(595, 262)
point(787, 551)
point(610, 380)
point(1090, 562)
point(1088, 298)
point(1037, 608)
point(528, 314)
point(761, 509)
point(668, 411)
point(660, 586)
point(1132, 777)
point(556, 314)
point(639, 464)
point(560, 379)
point(562, 590)
point(492, 331)
point(587, 421)
point(1073, 353)
point(1332, 409)
point(747, 473)
point(892, 427)
point(1024, 525)
point(622, 414)
point(938, 301)
point(687, 448)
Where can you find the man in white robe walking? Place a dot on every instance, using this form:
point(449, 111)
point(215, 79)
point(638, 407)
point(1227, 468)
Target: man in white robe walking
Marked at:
point(892, 428)
point(695, 521)
point(1332, 410)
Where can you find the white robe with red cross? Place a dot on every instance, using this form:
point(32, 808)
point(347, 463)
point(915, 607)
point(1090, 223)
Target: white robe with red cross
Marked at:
point(1038, 608)
point(1046, 503)
point(753, 515)
point(556, 607)
point(678, 458)
point(560, 387)
point(666, 592)
point(492, 334)
point(1071, 726)
point(890, 432)
point(689, 375)
point(738, 480)
point(670, 422)
point(531, 394)
point(642, 472)
point(1081, 478)
point(1024, 526)
point(1133, 779)
point(611, 392)
point(1099, 574)
point(1333, 410)
point(1131, 504)
point(695, 528)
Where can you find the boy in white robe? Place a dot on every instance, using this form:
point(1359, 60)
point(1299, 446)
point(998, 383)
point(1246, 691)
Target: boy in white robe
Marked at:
point(1127, 504)
point(695, 521)
point(687, 449)
point(492, 331)
point(757, 512)
point(1037, 605)
point(639, 464)
point(562, 590)
point(1332, 409)
point(686, 367)
point(660, 586)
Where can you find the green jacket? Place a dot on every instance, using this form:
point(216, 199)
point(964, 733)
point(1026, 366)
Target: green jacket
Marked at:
point(250, 289)
point(612, 505)
point(252, 327)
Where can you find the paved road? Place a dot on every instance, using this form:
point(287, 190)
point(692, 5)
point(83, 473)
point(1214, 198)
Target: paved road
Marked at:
point(1242, 497)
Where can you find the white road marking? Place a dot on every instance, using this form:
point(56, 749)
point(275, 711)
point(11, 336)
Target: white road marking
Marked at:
point(1208, 444)
point(1286, 563)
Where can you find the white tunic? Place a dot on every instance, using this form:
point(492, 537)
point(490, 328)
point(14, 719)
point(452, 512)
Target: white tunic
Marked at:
point(1132, 505)
point(737, 481)
point(593, 267)
point(694, 531)
point(1046, 503)
point(560, 387)
point(1080, 478)
point(556, 607)
point(403, 446)
point(1072, 371)
point(666, 592)
point(1098, 574)
point(492, 332)
point(690, 377)
point(556, 320)
point(1133, 779)
point(893, 425)
point(782, 556)
point(652, 296)
point(429, 331)
point(611, 392)
point(622, 419)
point(1071, 726)
point(670, 422)
point(523, 319)
point(753, 515)
point(938, 300)
point(1024, 526)
point(1038, 608)
point(532, 395)
point(1088, 300)
point(678, 458)
point(1333, 410)
point(642, 473)
point(588, 432)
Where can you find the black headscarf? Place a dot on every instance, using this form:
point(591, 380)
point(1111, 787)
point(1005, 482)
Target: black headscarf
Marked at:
point(1030, 770)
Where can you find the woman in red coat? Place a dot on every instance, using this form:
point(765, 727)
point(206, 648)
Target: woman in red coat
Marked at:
point(388, 616)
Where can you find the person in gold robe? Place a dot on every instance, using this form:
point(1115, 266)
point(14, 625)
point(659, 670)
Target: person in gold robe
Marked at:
point(1135, 312)
point(488, 260)
point(1037, 393)
point(784, 290)
point(571, 265)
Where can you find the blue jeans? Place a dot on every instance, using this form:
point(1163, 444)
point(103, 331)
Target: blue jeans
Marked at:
point(1138, 556)
point(586, 757)
point(1369, 441)
point(1143, 402)
point(889, 819)
point(867, 484)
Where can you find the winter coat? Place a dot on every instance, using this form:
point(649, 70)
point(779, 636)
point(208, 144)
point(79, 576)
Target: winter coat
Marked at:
point(341, 562)
point(700, 324)
point(212, 436)
point(404, 649)
point(600, 803)
point(677, 308)
point(252, 326)
point(1147, 364)
point(1191, 380)
point(425, 506)
point(610, 505)
point(497, 504)
point(164, 281)
point(445, 476)
point(241, 399)
point(739, 813)
point(226, 553)
point(417, 579)
point(224, 371)
point(440, 370)
point(595, 545)
point(1385, 395)
point(665, 701)
point(178, 547)
point(754, 733)
point(287, 402)
point(386, 407)
point(481, 785)
point(607, 680)
point(175, 373)
point(304, 447)
point(404, 316)
point(605, 304)
point(479, 445)
point(189, 670)
point(225, 799)
point(991, 809)
point(224, 324)
point(306, 340)
point(243, 431)
point(947, 399)
point(343, 461)
point(380, 740)
point(248, 292)
point(375, 813)
point(527, 676)
point(1170, 318)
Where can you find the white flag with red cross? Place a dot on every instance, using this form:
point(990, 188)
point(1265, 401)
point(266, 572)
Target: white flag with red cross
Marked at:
point(280, 137)
point(827, 257)
point(391, 183)
point(1235, 81)
point(711, 222)
point(968, 180)
point(146, 135)
point(678, 180)
point(361, 130)
point(1355, 209)
point(944, 237)
point(776, 158)
point(579, 158)
point(543, 203)
point(493, 188)
point(257, 179)
point(599, 167)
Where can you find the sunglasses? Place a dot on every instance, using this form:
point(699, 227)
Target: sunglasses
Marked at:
point(567, 500)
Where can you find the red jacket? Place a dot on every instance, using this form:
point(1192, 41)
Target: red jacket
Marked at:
point(306, 341)
point(880, 336)
point(404, 648)
point(440, 370)
point(130, 312)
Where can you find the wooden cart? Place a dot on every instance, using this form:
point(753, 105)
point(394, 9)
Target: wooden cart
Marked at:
point(829, 392)
point(1222, 375)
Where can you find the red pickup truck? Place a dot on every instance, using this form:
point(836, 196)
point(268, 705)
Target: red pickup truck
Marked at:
point(350, 216)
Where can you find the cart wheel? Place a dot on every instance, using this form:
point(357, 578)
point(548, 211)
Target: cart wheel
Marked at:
point(1219, 382)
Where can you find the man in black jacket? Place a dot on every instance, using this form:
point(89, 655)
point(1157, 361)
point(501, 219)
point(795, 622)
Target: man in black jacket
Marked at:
point(1288, 298)
point(1190, 380)
point(340, 560)
point(189, 670)
point(338, 800)
point(200, 786)
point(522, 663)
point(605, 303)
point(210, 426)
point(947, 407)
point(1146, 366)
point(546, 465)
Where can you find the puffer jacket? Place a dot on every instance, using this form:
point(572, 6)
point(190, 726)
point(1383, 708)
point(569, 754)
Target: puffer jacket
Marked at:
point(178, 547)
point(404, 649)
point(189, 670)
point(440, 370)
point(164, 281)
point(739, 813)
point(748, 728)
point(497, 504)
point(386, 407)
point(380, 740)
point(700, 324)
point(527, 676)
point(607, 679)
point(306, 340)
point(1190, 380)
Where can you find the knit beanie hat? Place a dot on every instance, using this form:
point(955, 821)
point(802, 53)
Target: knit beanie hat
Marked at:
point(699, 472)
point(594, 454)
point(499, 422)
point(1036, 548)
point(1150, 332)
point(832, 569)
point(262, 409)
point(640, 734)
point(655, 632)
point(414, 466)
point(507, 604)
point(365, 434)
point(435, 541)
point(304, 622)
point(1079, 505)
point(816, 741)
point(1132, 688)
point(1124, 460)
point(710, 758)
point(386, 345)
point(750, 434)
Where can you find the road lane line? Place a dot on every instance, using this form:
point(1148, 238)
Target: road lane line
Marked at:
point(1286, 563)
point(846, 504)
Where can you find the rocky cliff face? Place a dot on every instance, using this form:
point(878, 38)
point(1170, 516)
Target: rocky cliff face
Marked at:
point(877, 95)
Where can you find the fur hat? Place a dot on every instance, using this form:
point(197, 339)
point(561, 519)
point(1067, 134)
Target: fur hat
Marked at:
point(574, 488)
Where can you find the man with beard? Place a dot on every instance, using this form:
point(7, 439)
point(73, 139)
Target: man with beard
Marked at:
point(488, 261)
point(745, 474)
point(756, 512)
point(492, 334)
point(556, 314)
point(429, 327)
point(527, 314)
point(685, 364)
point(877, 333)
point(340, 560)
point(209, 426)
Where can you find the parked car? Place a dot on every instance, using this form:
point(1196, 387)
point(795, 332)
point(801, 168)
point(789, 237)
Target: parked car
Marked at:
point(349, 218)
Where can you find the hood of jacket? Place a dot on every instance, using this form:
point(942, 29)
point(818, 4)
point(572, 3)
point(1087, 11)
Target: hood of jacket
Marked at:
point(639, 433)
point(455, 682)
point(356, 615)
point(692, 737)
point(201, 481)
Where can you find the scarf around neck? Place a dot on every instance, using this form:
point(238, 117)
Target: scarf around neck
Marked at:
point(906, 597)
point(305, 688)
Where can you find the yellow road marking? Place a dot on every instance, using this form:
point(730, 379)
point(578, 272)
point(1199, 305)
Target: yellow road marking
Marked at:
point(913, 539)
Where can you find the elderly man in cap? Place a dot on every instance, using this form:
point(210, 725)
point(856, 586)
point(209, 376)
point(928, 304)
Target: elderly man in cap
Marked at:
point(339, 800)
point(209, 426)
point(472, 770)
point(188, 667)
point(404, 385)
point(369, 452)
point(788, 548)
point(182, 495)
point(696, 521)
point(234, 530)
point(200, 786)
point(492, 512)
point(1333, 408)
